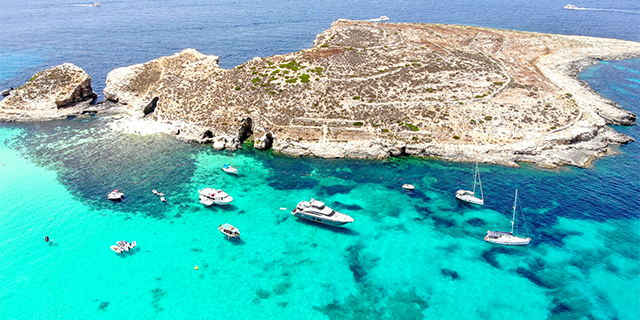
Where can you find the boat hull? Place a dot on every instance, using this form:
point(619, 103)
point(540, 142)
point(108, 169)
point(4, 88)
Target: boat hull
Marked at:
point(304, 216)
point(466, 196)
point(506, 239)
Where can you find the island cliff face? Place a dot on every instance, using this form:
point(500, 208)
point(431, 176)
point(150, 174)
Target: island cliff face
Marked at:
point(374, 90)
point(50, 94)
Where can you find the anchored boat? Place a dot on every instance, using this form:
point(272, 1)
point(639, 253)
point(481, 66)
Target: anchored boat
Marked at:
point(209, 196)
point(229, 230)
point(507, 238)
point(229, 169)
point(122, 246)
point(115, 195)
point(316, 211)
point(470, 196)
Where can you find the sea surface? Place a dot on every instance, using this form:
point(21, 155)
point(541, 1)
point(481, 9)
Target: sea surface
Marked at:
point(409, 254)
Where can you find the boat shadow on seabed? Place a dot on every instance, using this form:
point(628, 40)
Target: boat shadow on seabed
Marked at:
point(131, 251)
point(336, 229)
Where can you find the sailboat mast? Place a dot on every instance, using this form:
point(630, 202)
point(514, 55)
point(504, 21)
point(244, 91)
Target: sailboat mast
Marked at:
point(475, 179)
point(513, 219)
point(479, 183)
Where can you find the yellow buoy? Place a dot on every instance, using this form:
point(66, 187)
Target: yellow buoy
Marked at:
point(196, 268)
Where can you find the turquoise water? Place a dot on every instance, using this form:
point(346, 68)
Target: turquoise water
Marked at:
point(408, 255)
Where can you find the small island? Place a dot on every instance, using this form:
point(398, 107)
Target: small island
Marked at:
point(369, 90)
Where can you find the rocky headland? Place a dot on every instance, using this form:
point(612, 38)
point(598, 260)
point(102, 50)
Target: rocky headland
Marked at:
point(374, 90)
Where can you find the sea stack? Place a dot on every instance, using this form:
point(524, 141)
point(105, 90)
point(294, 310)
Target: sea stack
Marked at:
point(50, 94)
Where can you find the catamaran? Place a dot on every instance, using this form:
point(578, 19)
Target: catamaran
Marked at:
point(470, 196)
point(507, 238)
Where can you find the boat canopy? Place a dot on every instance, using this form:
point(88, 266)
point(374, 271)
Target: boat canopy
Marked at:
point(495, 234)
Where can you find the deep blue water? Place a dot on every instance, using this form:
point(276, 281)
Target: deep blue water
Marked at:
point(39, 34)
point(409, 255)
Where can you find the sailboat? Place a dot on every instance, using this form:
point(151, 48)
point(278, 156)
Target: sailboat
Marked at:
point(228, 168)
point(470, 196)
point(507, 238)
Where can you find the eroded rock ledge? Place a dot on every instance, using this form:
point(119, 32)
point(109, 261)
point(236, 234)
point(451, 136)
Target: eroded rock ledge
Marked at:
point(376, 90)
point(55, 93)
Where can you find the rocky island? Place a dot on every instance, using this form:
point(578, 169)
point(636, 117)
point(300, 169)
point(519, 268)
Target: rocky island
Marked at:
point(375, 90)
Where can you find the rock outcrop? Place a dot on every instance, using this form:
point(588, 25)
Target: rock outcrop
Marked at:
point(54, 93)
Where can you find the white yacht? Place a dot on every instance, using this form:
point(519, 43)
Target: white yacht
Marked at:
point(229, 230)
point(316, 211)
point(209, 196)
point(571, 7)
point(470, 196)
point(115, 195)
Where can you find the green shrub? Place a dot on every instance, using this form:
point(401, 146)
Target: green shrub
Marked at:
point(237, 88)
point(473, 121)
point(385, 130)
point(324, 45)
point(499, 83)
point(292, 65)
point(456, 137)
point(488, 118)
point(255, 80)
point(358, 124)
point(569, 95)
point(430, 90)
point(553, 128)
point(412, 127)
point(356, 98)
point(292, 80)
point(304, 78)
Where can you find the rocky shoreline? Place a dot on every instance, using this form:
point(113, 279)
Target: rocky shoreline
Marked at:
point(366, 90)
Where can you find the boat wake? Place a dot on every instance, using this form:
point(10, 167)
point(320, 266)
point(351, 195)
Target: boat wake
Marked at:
point(382, 18)
point(96, 4)
point(573, 7)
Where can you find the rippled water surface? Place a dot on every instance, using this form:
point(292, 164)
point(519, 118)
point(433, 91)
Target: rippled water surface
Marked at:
point(408, 255)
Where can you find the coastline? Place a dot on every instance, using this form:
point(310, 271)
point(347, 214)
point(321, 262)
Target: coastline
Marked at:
point(542, 81)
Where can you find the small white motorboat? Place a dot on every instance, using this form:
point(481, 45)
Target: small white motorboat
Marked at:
point(157, 193)
point(408, 186)
point(123, 245)
point(115, 195)
point(571, 7)
point(209, 196)
point(229, 169)
point(97, 4)
point(163, 199)
point(229, 230)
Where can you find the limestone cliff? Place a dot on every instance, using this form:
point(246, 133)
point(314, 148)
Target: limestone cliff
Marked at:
point(50, 94)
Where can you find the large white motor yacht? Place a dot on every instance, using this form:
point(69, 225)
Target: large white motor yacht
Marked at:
point(316, 211)
point(209, 196)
